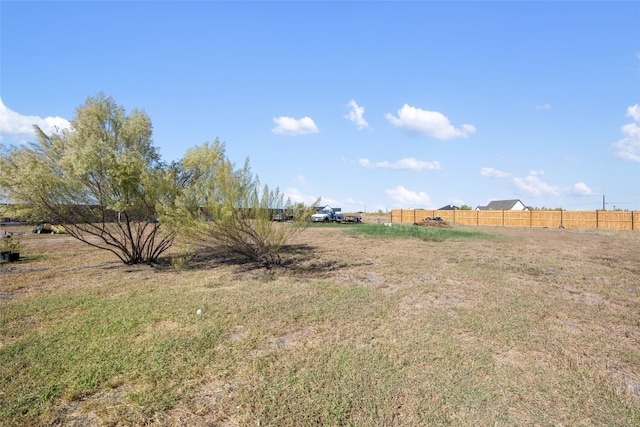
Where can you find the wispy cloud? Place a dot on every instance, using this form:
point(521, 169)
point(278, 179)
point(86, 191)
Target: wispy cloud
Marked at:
point(545, 106)
point(294, 127)
point(296, 196)
point(494, 173)
point(634, 112)
point(628, 148)
point(406, 197)
point(20, 127)
point(428, 123)
point(582, 189)
point(533, 185)
point(356, 115)
point(405, 164)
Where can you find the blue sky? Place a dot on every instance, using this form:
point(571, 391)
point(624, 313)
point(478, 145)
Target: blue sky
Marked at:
point(369, 105)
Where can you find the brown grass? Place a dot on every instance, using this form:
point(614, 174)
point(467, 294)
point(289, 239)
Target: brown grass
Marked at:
point(524, 327)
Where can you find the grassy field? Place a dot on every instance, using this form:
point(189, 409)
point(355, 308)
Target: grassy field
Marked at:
point(365, 326)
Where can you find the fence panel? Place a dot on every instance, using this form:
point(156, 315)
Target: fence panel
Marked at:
point(490, 218)
point(410, 216)
point(603, 220)
point(615, 220)
point(445, 215)
point(546, 219)
point(578, 219)
point(466, 217)
point(517, 218)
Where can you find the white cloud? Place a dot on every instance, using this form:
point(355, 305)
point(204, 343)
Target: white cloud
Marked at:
point(581, 189)
point(296, 196)
point(300, 179)
point(543, 107)
point(532, 185)
point(494, 173)
point(628, 148)
point(404, 164)
point(294, 127)
point(17, 126)
point(428, 123)
point(356, 115)
point(408, 198)
point(634, 112)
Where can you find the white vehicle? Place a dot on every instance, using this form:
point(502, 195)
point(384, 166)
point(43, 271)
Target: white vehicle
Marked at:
point(327, 214)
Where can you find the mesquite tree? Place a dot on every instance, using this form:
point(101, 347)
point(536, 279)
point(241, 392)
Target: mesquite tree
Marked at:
point(102, 179)
point(220, 206)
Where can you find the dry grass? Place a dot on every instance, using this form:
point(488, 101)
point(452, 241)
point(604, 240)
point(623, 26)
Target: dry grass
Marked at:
point(523, 327)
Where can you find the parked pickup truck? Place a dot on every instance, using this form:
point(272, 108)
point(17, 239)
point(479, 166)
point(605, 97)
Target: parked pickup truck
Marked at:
point(327, 215)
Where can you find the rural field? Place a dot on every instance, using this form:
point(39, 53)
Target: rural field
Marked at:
point(365, 325)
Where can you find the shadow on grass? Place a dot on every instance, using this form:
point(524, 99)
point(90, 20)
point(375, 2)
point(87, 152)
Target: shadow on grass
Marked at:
point(299, 260)
point(296, 260)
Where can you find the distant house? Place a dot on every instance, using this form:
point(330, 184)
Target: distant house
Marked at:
point(504, 205)
point(449, 208)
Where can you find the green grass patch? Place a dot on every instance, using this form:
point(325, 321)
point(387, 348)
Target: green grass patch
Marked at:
point(365, 386)
point(75, 344)
point(404, 231)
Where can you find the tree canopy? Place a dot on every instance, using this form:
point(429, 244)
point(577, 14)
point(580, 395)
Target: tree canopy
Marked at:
point(222, 206)
point(102, 178)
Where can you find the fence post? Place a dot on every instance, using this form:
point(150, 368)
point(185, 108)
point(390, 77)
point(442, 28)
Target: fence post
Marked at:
point(597, 219)
point(503, 217)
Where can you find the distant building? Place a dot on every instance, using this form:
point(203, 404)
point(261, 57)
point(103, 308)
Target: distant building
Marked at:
point(449, 208)
point(504, 205)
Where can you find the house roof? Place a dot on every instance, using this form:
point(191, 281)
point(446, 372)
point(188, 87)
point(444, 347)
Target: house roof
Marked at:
point(501, 205)
point(448, 208)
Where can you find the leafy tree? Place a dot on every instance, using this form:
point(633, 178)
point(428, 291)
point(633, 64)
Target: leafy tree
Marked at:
point(102, 179)
point(465, 207)
point(221, 206)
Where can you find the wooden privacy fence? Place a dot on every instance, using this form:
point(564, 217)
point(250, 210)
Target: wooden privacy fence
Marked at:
point(602, 220)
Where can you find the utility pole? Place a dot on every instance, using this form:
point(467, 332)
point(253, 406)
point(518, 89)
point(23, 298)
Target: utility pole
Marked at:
point(603, 208)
